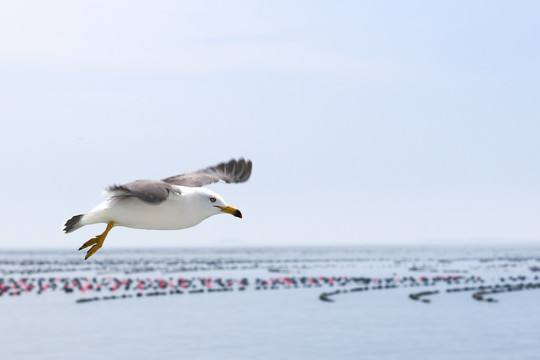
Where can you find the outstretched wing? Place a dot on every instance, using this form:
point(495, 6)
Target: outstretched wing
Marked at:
point(150, 191)
point(234, 171)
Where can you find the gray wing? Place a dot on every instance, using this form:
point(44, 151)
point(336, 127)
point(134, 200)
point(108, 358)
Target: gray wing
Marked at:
point(150, 191)
point(234, 171)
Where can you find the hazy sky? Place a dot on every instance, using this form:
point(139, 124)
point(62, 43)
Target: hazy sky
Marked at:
point(368, 122)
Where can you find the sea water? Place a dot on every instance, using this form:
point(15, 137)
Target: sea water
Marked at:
point(273, 303)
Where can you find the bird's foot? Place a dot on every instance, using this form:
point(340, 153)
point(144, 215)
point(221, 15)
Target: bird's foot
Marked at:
point(92, 241)
point(96, 242)
point(93, 250)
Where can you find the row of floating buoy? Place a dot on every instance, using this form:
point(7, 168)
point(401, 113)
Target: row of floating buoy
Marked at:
point(29, 267)
point(242, 260)
point(18, 286)
point(479, 294)
point(113, 288)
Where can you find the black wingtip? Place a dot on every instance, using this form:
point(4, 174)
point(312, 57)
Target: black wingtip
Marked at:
point(241, 169)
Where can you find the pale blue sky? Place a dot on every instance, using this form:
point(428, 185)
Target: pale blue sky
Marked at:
point(368, 122)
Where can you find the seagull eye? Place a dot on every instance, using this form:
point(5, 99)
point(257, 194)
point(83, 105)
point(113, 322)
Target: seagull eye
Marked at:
point(213, 199)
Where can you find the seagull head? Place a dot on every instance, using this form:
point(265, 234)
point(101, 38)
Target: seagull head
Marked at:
point(214, 203)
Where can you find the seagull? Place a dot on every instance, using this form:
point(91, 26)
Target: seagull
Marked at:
point(177, 202)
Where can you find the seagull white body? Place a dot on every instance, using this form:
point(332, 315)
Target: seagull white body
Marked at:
point(177, 202)
point(184, 208)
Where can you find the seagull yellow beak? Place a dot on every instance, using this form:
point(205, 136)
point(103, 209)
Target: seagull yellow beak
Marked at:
point(230, 210)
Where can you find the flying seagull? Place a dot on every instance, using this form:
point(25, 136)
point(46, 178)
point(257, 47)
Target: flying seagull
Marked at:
point(177, 202)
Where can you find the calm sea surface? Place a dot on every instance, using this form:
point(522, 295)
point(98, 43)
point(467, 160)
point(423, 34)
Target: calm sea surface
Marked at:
point(276, 303)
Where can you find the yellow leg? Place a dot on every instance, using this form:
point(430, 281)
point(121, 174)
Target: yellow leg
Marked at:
point(97, 242)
